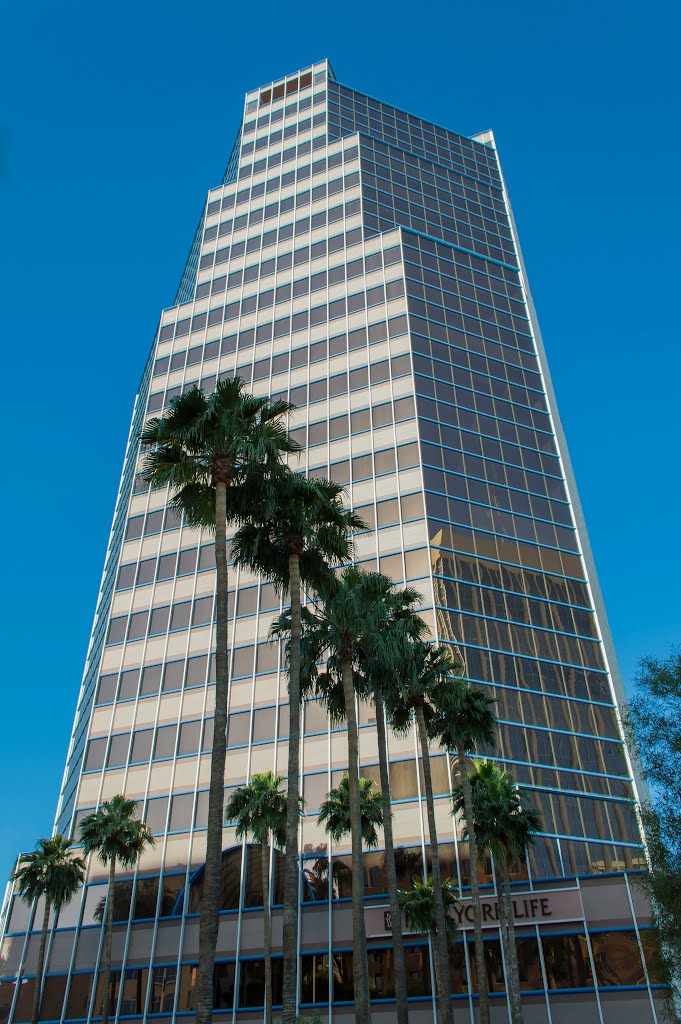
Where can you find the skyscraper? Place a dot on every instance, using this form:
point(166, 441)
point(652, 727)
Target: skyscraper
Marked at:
point(364, 264)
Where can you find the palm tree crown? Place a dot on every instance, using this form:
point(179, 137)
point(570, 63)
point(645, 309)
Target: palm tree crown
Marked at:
point(114, 833)
point(504, 823)
point(418, 906)
point(201, 441)
point(51, 871)
point(335, 811)
point(292, 514)
point(259, 809)
point(464, 718)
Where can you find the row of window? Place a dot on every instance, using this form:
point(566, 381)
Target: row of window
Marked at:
point(358, 267)
point(440, 206)
point(477, 444)
point(517, 423)
point(494, 494)
point(515, 703)
point(276, 159)
point(481, 358)
point(379, 219)
point(455, 513)
point(437, 255)
point(256, 215)
point(495, 471)
point(446, 293)
point(290, 86)
point(531, 673)
point(286, 231)
point(321, 165)
point(144, 745)
point(390, 116)
point(395, 127)
point(161, 520)
point(190, 560)
point(299, 127)
point(389, 170)
point(513, 607)
point(300, 356)
point(390, 184)
point(519, 639)
point(273, 116)
point(514, 580)
point(452, 271)
point(293, 322)
point(468, 316)
point(168, 677)
point(319, 390)
point(565, 965)
point(440, 219)
point(479, 414)
point(159, 621)
point(359, 421)
point(184, 615)
point(185, 562)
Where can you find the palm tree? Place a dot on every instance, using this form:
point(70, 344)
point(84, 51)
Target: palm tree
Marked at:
point(504, 827)
point(465, 720)
point(209, 450)
point(52, 872)
point(352, 611)
point(424, 667)
point(117, 837)
point(418, 906)
point(299, 529)
point(259, 808)
point(334, 814)
point(379, 661)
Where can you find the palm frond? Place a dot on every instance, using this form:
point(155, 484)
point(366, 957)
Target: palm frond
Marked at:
point(259, 809)
point(334, 814)
point(115, 831)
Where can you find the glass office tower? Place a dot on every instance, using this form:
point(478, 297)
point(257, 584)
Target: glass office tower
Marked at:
point(364, 264)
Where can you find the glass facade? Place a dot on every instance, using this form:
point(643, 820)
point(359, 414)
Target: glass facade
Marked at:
point(363, 264)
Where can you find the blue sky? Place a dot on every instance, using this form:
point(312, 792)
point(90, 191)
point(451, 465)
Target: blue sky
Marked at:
point(120, 117)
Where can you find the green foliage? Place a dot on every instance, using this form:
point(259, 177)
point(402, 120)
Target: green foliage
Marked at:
point(228, 435)
point(418, 906)
point(505, 824)
point(349, 619)
point(423, 669)
point(293, 514)
point(335, 811)
point(653, 723)
point(464, 715)
point(114, 832)
point(259, 808)
point(51, 871)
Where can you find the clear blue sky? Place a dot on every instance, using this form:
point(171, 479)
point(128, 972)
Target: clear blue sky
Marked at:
point(119, 117)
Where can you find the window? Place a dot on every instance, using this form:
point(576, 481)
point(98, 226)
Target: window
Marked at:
point(164, 746)
point(96, 752)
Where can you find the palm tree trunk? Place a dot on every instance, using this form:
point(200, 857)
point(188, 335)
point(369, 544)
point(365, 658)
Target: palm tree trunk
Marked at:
point(108, 936)
point(41, 963)
point(267, 930)
point(475, 887)
point(390, 870)
point(441, 948)
point(360, 966)
point(291, 862)
point(510, 948)
point(212, 882)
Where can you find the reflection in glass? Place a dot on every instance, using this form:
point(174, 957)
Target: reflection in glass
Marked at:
point(617, 958)
point(566, 959)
